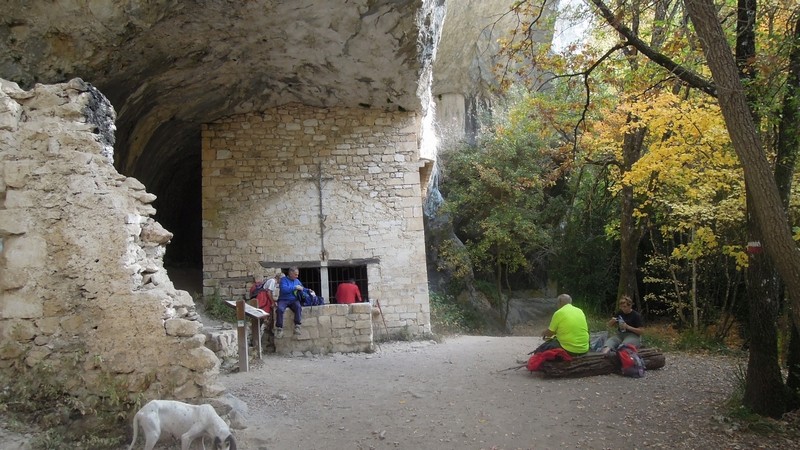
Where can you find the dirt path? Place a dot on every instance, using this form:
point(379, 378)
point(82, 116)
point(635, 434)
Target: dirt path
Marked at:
point(453, 395)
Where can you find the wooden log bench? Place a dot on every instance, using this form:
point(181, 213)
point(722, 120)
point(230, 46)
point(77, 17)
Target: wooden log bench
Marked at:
point(598, 364)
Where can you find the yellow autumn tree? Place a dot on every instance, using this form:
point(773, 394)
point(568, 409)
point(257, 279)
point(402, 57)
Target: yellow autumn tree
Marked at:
point(688, 185)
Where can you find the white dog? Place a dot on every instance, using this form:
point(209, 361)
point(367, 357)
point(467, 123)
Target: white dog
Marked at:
point(181, 421)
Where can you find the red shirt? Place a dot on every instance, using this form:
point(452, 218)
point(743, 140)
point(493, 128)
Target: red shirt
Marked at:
point(348, 293)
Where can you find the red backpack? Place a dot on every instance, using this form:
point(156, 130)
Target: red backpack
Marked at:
point(631, 362)
point(258, 292)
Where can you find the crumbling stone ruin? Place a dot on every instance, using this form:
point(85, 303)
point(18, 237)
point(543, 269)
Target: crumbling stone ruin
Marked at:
point(82, 284)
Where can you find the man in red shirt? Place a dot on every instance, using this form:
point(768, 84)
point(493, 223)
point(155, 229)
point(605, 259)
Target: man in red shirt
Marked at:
point(348, 292)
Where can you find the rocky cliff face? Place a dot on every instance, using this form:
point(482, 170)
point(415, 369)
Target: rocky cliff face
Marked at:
point(465, 72)
point(167, 66)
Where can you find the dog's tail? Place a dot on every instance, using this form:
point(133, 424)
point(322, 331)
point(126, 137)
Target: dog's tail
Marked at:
point(135, 430)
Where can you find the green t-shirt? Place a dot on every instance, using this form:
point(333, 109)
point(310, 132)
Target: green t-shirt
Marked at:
point(572, 331)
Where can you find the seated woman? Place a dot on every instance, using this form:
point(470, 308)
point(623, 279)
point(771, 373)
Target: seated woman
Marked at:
point(629, 326)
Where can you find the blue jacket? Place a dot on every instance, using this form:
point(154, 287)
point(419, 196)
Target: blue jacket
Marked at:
point(288, 287)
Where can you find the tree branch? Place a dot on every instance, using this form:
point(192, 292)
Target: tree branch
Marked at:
point(684, 74)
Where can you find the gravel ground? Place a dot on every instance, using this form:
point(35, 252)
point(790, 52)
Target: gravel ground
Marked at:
point(457, 395)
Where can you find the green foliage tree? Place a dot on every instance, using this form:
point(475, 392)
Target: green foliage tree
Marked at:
point(497, 195)
point(679, 215)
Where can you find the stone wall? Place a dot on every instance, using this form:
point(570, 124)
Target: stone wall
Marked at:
point(329, 329)
point(82, 286)
point(318, 186)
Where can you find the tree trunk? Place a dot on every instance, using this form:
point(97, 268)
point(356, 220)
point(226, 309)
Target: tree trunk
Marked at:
point(764, 391)
point(787, 149)
point(629, 233)
point(767, 207)
point(770, 218)
point(598, 364)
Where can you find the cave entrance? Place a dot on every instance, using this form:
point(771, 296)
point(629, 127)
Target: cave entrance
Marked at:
point(175, 176)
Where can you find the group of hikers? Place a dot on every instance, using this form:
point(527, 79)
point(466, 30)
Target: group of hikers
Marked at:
point(291, 293)
point(569, 329)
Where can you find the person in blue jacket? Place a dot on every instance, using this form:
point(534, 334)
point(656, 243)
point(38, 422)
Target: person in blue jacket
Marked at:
point(288, 299)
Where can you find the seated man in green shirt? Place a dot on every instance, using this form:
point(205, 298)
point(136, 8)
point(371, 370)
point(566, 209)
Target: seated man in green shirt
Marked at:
point(568, 329)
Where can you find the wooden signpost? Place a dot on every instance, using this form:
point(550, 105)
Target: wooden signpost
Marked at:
point(256, 315)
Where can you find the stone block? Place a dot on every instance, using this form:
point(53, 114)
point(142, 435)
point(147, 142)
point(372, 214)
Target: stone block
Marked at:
point(72, 324)
point(10, 114)
point(11, 350)
point(361, 308)
point(19, 330)
point(16, 173)
point(11, 279)
point(182, 327)
point(187, 391)
point(36, 355)
point(175, 376)
point(198, 340)
point(12, 222)
point(338, 322)
point(25, 251)
point(20, 305)
point(364, 339)
point(222, 342)
point(215, 390)
point(198, 359)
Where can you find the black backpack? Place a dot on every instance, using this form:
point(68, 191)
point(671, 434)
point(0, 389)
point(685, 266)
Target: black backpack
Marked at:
point(307, 297)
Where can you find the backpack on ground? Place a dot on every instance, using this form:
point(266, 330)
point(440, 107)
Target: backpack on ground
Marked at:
point(630, 361)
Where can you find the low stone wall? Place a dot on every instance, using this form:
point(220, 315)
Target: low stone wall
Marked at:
point(329, 329)
point(223, 341)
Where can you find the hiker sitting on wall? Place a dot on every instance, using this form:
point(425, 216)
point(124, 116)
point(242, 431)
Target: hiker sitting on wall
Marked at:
point(287, 299)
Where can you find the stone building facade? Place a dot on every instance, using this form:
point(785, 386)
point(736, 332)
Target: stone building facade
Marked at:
point(335, 191)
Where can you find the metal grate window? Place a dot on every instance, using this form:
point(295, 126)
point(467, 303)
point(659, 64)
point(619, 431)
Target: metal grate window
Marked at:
point(340, 274)
point(312, 279)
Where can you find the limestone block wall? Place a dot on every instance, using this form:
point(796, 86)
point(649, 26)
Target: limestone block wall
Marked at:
point(317, 186)
point(329, 329)
point(82, 286)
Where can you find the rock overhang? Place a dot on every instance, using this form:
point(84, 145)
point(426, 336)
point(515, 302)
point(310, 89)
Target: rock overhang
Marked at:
point(169, 66)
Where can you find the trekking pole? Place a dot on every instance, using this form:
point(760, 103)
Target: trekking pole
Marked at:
point(378, 302)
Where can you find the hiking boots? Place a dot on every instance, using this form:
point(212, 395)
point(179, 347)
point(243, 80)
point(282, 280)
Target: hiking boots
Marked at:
point(278, 333)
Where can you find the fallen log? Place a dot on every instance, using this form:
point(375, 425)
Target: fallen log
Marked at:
point(598, 364)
